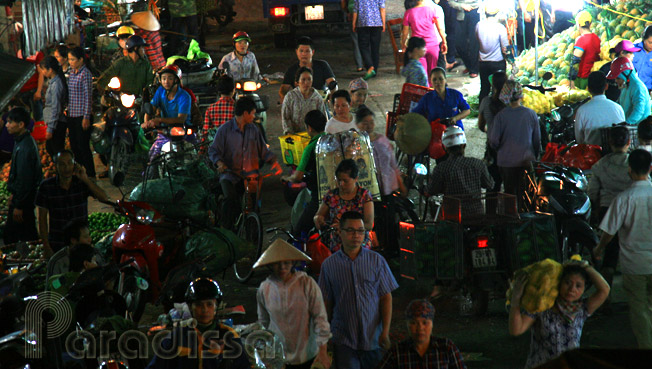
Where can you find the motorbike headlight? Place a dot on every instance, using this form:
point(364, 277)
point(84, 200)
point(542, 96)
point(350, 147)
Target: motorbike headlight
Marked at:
point(420, 169)
point(114, 83)
point(144, 216)
point(250, 86)
point(177, 131)
point(127, 100)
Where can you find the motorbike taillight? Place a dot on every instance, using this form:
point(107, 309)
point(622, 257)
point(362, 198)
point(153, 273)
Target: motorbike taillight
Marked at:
point(483, 241)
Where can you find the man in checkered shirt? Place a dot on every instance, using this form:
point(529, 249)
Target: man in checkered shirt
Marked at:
point(460, 176)
point(223, 109)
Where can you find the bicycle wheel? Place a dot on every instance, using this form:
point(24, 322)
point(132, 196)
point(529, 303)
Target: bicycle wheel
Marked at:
point(251, 230)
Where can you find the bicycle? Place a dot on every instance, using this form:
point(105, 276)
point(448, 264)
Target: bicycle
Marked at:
point(308, 246)
point(248, 224)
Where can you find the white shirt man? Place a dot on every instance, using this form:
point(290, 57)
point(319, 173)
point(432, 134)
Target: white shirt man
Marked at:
point(598, 113)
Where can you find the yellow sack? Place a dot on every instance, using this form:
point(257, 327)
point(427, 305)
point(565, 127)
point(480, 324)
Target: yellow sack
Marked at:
point(541, 289)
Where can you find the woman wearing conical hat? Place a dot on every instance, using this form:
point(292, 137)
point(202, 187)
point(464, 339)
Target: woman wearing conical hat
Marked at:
point(291, 305)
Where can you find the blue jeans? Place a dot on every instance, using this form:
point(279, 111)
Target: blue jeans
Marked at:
point(345, 357)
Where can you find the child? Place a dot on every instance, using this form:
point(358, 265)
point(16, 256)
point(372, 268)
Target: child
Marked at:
point(24, 177)
point(223, 109)
point(76, 232)
point(359, 92)
point(413, 70)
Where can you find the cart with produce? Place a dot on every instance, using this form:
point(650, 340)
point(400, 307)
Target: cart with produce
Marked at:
point(475, 253)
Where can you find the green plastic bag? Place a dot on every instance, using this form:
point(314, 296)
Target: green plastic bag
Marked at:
point(160, 194)
point(224, 244)
point(194, 52)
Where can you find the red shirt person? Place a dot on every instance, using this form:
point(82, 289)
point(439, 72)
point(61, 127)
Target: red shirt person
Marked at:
point(585, 52)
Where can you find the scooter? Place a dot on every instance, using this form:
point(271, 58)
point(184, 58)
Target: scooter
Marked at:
point(561, 191)
point(120, 135)
point(139, 280)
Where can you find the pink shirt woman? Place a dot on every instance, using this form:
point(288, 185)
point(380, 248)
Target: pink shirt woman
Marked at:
point(428, 23)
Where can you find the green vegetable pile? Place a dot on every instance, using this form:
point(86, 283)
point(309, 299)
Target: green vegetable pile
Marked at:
point(102, 224)
point(4, 196)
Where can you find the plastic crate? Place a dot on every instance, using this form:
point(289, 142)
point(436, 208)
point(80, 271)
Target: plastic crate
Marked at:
point(431, 250)
point(633, 137)
point(534, 238)
point(292, 147)
point(410, 96)
point(390, 129)
point(483, 208)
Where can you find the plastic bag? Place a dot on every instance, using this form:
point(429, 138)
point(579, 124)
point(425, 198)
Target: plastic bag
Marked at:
point(160, 193)
point(194, 52)
point(318, 252)
point(225, 245)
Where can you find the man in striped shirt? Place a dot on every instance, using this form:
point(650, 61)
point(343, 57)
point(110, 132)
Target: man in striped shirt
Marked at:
point(357, 287)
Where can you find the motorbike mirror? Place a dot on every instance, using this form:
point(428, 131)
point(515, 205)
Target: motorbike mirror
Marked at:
point(225, 66)
point(148, 108)
point(555, 116)
point(547, 76)
point(179, 195)
point(332, 85)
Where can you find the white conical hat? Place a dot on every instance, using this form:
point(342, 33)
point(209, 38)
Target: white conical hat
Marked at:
point(145, 20)
point(278, 251)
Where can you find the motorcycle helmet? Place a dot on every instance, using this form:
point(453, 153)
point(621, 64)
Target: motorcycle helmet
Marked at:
point(453, 136)
point(172, 69)
point(124, 32)
point(135, 41)
point(239, 36)
point(203, 289)
point(618, 66)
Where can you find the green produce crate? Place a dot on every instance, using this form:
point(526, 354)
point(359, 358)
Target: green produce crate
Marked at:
point(431, 250)
point(535, 239)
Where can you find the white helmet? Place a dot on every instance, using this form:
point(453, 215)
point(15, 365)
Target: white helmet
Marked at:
point(453, 136)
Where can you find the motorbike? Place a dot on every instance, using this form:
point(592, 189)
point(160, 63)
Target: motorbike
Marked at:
point(119, 138)
point(249, 87)
point(136, 241)
point(561, 191)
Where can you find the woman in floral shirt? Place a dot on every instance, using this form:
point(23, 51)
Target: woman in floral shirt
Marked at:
point(559, 328)
point(299, 101)
point(348, 196)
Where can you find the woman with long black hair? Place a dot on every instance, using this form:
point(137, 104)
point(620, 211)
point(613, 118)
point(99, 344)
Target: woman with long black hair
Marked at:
point(80, 95)
point(56, 100)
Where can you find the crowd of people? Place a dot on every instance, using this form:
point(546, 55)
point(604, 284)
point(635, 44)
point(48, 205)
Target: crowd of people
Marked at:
point(351, 304)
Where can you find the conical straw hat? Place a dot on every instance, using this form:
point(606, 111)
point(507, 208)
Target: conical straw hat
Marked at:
point(145, 20)
point(278, 251)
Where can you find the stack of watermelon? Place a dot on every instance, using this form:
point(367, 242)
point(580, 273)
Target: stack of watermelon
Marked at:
point(555, 54)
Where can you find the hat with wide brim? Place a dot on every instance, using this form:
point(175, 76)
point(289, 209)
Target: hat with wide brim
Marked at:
point(279, 251)
point(413, 133)
point(145, 20)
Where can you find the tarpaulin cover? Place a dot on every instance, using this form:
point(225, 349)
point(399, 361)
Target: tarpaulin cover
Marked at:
point(14, 73)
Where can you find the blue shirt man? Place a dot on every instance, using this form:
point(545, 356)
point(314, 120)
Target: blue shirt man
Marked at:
point(237, 151)
point(357, 287)
point(173, 105)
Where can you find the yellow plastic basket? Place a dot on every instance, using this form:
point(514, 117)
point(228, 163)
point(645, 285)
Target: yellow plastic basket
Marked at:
point(292, 147)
